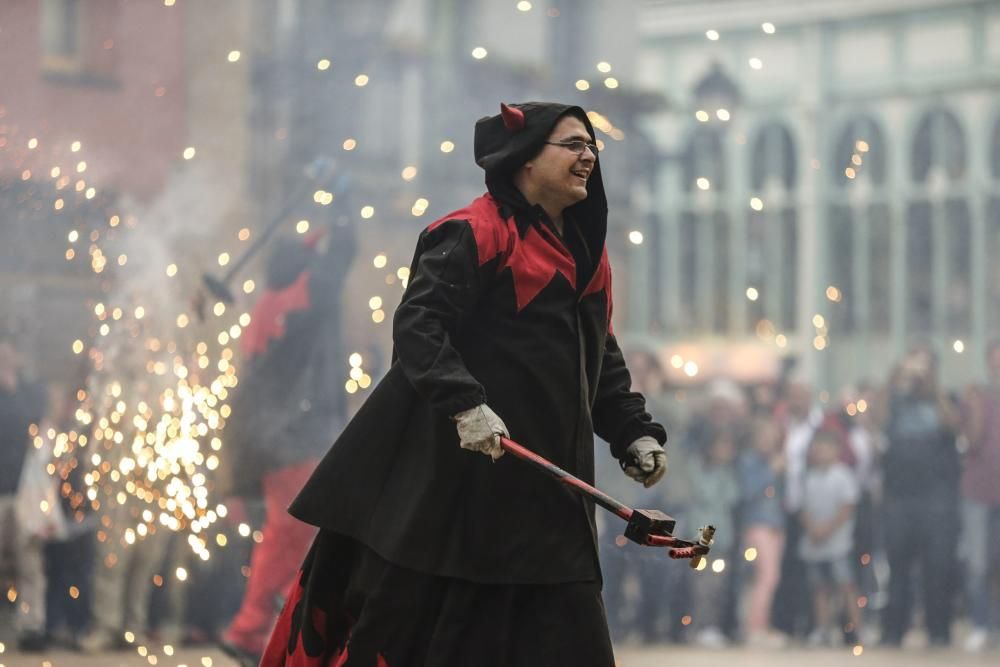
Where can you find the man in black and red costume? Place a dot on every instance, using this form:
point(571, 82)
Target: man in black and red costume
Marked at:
point(431, 553)
point(288, 403)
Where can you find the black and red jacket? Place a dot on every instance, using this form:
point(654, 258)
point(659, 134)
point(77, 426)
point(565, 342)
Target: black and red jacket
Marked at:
point(499, 309)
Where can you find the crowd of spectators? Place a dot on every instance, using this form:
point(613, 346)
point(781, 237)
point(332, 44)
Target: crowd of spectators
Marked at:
point(849, 521)
point(838, 522)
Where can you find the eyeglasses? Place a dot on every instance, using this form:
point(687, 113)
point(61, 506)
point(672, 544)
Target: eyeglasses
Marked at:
point(575, 145)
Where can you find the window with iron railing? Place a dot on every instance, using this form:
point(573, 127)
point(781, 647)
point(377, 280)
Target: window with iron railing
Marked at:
point(993, 235)
point(938, 229)
point(704, 235)
point(78, 41)
point(773, 231)
point(858, 248)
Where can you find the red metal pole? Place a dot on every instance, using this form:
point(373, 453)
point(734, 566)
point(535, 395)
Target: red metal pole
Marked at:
point(680, 548)
point(598, 496)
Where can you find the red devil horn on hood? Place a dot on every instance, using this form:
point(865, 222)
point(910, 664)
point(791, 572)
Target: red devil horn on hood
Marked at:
point(513, 118)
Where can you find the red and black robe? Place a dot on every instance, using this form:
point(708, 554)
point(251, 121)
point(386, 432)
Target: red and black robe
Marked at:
point(499, 309)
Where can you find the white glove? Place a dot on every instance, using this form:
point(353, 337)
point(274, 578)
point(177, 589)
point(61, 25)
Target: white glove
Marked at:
point(645, 461)
point(479, 429)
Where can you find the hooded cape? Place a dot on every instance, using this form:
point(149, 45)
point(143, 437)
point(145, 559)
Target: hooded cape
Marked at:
point(499, 309)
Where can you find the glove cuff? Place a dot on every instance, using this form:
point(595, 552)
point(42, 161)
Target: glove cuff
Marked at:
point(631, 433)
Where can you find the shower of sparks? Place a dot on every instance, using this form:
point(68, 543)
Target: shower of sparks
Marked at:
point(149, 425)
point(154, 415)
point(147, 428)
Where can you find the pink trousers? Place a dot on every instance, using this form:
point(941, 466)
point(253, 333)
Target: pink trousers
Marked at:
point(769, 543)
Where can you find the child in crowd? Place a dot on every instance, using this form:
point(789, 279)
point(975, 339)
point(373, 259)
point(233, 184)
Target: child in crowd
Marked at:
point(829, 500)
point(715, 492)
point(761, 475)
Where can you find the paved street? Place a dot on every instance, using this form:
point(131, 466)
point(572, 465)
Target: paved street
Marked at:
point(741, 657)
point(627, 657)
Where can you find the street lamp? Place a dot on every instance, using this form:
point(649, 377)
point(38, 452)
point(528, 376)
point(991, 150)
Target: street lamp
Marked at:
point(715, 96)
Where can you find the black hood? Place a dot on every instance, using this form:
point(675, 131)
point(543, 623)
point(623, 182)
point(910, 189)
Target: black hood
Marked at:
point(506, 141)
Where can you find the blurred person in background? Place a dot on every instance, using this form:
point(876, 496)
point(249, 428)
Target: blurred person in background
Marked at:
point(715, 494)
point(288, 408)
point(215, 587)
point(123, 579)
point(763, 398)
point(981, 501)
point(724, 407)
point(662, 590)
point(621, 559)
point(761, 468)
point(866, 443)
point(131, 556)
point(799, 418)
point(920, 471)
point(69, 559)
point(22, 403)
point(830, 495)
point(721, 405)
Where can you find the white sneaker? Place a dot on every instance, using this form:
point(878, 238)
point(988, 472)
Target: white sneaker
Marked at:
point(710, 637)
point(819, 637)
point(869, 636)
point(98, 641)
point(976, 641)
point(767, 639)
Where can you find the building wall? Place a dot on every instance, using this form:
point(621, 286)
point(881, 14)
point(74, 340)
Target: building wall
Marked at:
point(113, 92)
point(424, 88)
point(916, 81)
point(123, 96)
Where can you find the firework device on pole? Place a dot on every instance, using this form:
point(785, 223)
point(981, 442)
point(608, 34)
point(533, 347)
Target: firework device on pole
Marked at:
point(647, 527)
point(318, 173)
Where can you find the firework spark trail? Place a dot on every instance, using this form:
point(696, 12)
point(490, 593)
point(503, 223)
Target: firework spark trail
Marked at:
point(150, 418)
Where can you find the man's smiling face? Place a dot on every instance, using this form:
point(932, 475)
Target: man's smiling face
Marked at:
point(559, 172)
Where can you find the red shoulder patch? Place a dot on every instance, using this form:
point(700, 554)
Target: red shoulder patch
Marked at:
point(490, 230)
point(533, 260)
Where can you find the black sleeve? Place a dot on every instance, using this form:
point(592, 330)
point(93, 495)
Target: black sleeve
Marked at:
point(330, 269)
point(620, 414)
point(444, 287)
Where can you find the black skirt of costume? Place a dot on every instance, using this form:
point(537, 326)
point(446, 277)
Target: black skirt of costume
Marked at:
point(358, 610)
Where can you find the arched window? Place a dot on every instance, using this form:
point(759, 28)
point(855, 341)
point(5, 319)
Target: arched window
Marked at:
point(704, 235)
point(772, 257)
point(938, 231)
point(993, 235)
point(859, 230)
